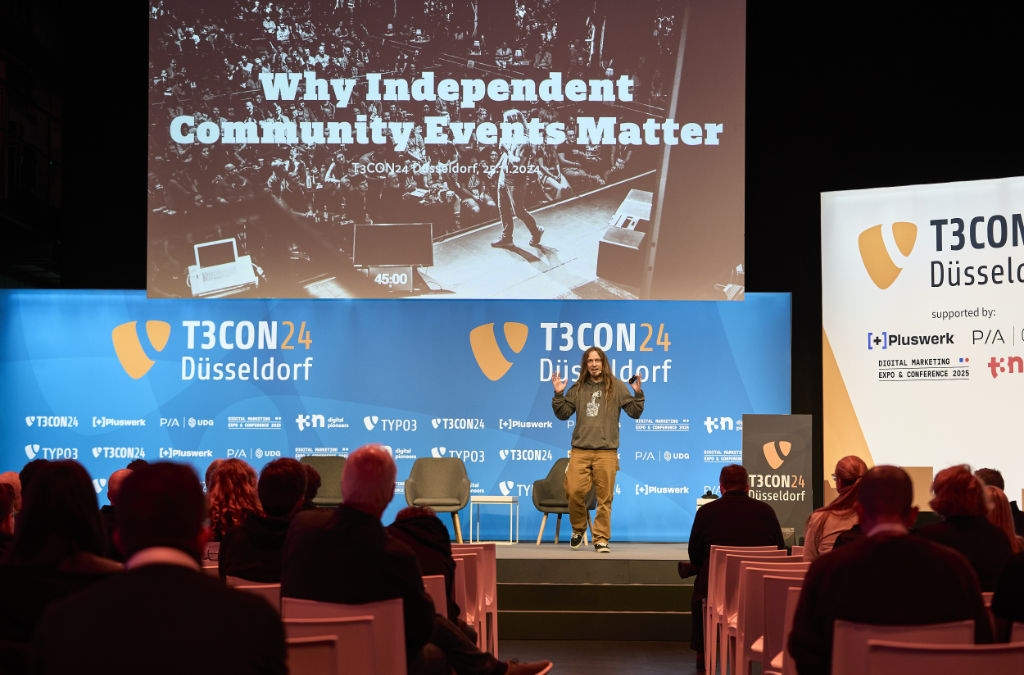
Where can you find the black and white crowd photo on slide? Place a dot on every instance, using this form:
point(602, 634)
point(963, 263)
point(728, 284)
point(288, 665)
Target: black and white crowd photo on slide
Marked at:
point(397, 186)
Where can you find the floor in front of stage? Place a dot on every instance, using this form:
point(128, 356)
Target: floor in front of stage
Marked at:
point(564, 266)
point(673, 551)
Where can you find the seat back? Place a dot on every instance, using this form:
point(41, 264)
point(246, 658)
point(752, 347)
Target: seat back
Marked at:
point(899, 658)
point(388, 625)
point(330, 470)
point(269, 592)
point(728, 577)
point(470, 564)
point(353, 635)
point(734, 569)
point(317, 655)
point(1017, 632)
point(434, 585)
point(776, 590)
point(548, 491)
point(487, 568)
point(751, 599)
point(797, 552)
point(716, 561)
point(438, 482)
point(792, 599)
point(850, 640)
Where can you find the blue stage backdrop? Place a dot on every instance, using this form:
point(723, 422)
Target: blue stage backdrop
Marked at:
point(105, 377)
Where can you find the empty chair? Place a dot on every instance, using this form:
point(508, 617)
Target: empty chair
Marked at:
point(897, 658)
point(719, 583)
point(549, 497)
point(776, 598)
point(746, 626)
point(850, 640)
point(330, 470)
point(313, 655)
point(354, 636)
point(440, 483)
point(488, 570)
point(434, 585)
point(388, 625)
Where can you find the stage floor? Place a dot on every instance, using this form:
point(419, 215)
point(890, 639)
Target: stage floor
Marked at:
point(673, 551)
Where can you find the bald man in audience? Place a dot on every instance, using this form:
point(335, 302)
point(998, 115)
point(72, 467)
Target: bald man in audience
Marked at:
point(888, 577)
point(12, 479)
point(108, 512)
point(350, 558)
point(162, 615)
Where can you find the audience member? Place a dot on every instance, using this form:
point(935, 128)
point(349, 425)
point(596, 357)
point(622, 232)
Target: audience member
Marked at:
point(162, 615)
point(828, 522)
point(57, 549)
point(351, 559)
point(108, 513)
point(312, 486)
point(1008, 599)
point(11, 478)
point(253, 550)
point(734, 520)
point(7, 501)
point(999, 515)
point(419, 528)
point(232, 496)
point(994, 478)
point(887, 578)
point(960, 499)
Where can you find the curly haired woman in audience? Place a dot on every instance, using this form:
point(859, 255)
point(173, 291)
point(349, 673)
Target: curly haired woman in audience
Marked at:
point(232, 496)
point(828, 522)
point(999, 514)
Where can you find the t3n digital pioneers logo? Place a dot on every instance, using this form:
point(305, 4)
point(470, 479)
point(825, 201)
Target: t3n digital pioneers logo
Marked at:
point(488, 354)
point(130, 351)
point(878, 260)
point(776, 452)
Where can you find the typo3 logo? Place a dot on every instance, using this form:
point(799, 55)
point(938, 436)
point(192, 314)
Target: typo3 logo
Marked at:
point(438, 452)
point(484, 344)
point(877, 259)
point(506, 487)
point(98, 484)
point(31, 450)
point(129, 348)
point(771, 452)
point(713, 424)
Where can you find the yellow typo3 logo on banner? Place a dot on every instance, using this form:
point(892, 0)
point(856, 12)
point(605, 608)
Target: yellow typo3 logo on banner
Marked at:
point(487, 352)
point(771, 452)
point(129, 349)
point(877, 261)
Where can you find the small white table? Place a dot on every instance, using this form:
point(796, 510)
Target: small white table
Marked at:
point(513, 505)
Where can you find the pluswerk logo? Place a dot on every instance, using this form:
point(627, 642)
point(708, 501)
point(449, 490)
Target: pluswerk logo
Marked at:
point(772, 450)
point(31, 450)
point(130, 351)
point(506, 487)
point(484, 344)
point(877, 259)
point(98, 484)
point(370, 421)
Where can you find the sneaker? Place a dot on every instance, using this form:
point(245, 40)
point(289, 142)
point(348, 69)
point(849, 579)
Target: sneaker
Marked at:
point(502, 243)
point(576, 541)
point(602, 547)
point(535, 240)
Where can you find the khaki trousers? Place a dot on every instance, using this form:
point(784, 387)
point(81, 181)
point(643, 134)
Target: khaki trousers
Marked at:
point(588, 467)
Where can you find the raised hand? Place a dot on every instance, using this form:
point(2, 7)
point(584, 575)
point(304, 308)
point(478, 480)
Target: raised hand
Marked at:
point(558, 383)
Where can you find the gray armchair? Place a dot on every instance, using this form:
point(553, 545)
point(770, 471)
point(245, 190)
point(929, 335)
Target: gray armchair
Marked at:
point(330, 470)
point(549, 497)
point(440, 483)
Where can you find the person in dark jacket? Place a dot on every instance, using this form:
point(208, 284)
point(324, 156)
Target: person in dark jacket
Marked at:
point(960, 499)
point(253, 550)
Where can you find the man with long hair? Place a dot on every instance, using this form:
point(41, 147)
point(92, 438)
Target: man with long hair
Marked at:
point(514, 170)
point(596, 398)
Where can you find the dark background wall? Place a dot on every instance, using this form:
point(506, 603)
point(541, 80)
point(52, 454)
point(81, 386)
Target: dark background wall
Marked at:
point(839, 96)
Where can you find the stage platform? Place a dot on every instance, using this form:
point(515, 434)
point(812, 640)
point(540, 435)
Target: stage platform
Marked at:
point(550, 592)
